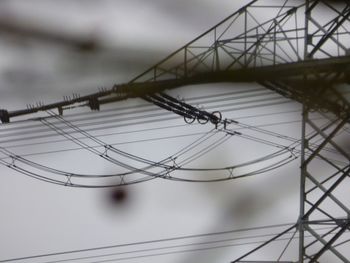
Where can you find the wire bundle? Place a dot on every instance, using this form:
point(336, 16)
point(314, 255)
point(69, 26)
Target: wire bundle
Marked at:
point(139, 169)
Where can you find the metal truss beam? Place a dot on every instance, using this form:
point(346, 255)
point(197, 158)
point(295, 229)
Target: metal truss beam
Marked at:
point(286, 79)
point(294, 40)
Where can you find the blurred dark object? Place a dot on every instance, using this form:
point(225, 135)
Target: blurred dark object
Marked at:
point(4, 116)
point(21, 29)
point(118, 196)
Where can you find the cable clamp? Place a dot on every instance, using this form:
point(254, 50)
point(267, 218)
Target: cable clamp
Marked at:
point(167, 173)
point(107, 147)
point(122, 180)
point(231, 175)
point(68, 182)
point(175, 165)
point(13, 160)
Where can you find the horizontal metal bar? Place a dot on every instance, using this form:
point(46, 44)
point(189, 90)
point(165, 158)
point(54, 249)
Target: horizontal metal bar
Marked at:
point(257, 74)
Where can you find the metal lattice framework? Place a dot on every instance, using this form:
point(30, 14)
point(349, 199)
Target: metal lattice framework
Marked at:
point(299, 49)
point(322, 202)
point(276, 45)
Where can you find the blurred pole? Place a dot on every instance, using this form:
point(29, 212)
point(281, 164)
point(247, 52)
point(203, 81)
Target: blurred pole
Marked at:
point(302, 187)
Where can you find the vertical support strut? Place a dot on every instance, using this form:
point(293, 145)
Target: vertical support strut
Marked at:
point(302, 186)
point(325, 167)
point(324, 214)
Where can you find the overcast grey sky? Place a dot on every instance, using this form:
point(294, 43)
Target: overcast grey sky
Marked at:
point(39, 218)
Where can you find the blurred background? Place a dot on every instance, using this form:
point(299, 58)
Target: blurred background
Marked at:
point(52, 49)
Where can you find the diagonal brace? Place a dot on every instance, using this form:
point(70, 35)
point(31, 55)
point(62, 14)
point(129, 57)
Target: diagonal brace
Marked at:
point(327, 193)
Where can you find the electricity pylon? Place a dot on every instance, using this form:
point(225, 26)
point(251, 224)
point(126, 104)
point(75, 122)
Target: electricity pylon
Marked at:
point(299, 49)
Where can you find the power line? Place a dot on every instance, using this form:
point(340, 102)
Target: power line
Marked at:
point(147, 105)
point(104, 127)
point(204, 151)
point(121, 111)
point(268, 168)
point(135, 251)
point(118, 115)
point(105, 156)
point(151, 241)
point(152, 163)
point(197, 249)
point(158, 128)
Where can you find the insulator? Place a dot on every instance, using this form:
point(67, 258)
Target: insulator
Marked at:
point(60, 111)
point(4, 116)
point(94, 104)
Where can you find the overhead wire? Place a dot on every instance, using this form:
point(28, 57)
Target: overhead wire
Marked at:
point(163, 248)
point(177, 178)
point(156, 175)
point(98, 153)
point(22, 129)
point(158, 128)
point(199, 114)
point(204, 151)
point(159, 248)
point(10, 155)
point(23, 136)
point(194, 157)
point(174, 156)
point(86, 147)
point(197, 249)
point(234, 122)
point(153, 176)
point(31, 138)
point(108, 147)
point(121, 111)
point(210, 234)
point(154, 139)
point(278, 164)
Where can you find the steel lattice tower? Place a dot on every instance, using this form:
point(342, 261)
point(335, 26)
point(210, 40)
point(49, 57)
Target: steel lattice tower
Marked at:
point(299, 49)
